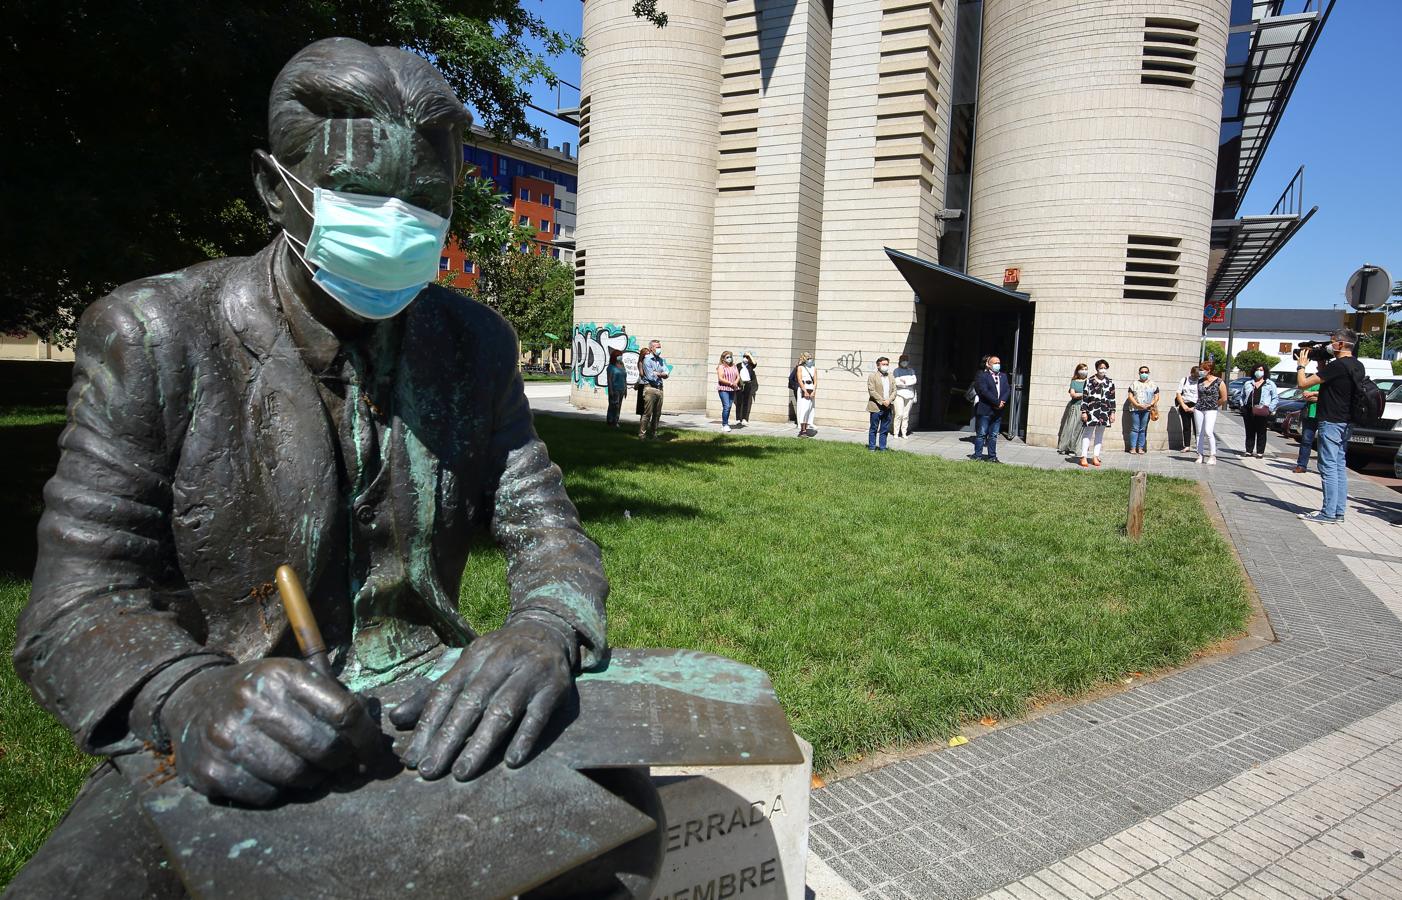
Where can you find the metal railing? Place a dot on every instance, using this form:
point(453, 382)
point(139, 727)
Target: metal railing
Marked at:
point(1292, 199)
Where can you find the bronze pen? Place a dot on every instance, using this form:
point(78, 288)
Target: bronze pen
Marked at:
point(299, 616)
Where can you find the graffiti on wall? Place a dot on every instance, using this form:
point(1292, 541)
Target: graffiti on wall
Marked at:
point(591, 346)
point(849, 362)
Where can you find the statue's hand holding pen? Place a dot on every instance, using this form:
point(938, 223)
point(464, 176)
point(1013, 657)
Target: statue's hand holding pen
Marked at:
point(510, 680)
point(249, 731)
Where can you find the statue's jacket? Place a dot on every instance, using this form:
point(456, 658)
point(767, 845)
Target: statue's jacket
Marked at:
point(198, 456)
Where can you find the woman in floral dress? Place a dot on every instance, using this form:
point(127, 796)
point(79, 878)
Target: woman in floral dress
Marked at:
point(1097, 411)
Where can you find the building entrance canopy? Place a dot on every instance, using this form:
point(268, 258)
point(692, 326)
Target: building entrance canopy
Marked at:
point(941, 287)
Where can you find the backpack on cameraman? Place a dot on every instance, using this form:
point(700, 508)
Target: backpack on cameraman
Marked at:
point(1368, 400)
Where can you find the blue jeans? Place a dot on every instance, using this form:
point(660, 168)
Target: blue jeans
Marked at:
point(1307, 431)
point(880, 425)
point(1333, 443)
point(1139, 429)
point(987, 432)
point(726, 398)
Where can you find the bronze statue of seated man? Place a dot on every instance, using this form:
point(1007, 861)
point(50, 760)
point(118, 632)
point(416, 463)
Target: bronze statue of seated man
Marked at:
point(321, 404)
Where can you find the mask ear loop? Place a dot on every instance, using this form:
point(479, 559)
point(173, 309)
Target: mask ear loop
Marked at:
point(292, 242)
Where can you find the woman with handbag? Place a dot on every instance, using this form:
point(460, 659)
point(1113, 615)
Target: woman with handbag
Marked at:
point(1143, 406)
point(1259, 400)
point(1212, 396)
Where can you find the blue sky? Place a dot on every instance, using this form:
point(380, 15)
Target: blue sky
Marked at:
point(1344, 124)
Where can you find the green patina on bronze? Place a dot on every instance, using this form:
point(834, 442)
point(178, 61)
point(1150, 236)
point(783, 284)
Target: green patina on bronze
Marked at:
point(699, 674)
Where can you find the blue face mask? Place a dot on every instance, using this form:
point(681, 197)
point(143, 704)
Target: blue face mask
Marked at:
point(373, 254)
point(997, 367)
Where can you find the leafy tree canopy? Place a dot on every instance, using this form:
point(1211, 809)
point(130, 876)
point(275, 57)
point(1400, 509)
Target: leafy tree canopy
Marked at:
point(1248, 360)
point(132, 124)
point(1217, 352)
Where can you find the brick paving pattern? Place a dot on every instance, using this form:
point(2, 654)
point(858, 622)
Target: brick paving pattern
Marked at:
point(1265, 774)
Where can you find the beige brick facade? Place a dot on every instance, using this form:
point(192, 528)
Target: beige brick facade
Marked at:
point(742, 169)
point(1075, 155)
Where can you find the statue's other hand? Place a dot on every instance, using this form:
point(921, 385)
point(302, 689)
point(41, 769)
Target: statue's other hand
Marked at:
point(248, 731)
point(517, 674)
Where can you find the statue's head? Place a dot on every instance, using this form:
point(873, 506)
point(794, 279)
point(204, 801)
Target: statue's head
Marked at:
point(359, 120)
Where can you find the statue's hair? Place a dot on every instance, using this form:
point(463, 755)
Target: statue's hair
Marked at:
point(342, 78)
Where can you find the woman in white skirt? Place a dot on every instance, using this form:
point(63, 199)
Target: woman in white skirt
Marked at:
point(1212, 396)
point(805, 378)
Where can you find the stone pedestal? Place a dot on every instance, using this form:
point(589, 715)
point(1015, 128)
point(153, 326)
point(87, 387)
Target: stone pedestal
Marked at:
point(735, 831)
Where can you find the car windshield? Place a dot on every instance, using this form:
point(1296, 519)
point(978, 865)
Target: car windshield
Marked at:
point(1395, 395)
point(1290, 393)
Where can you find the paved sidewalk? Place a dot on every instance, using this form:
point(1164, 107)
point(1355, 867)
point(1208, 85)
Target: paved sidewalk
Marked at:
point(1271, 773)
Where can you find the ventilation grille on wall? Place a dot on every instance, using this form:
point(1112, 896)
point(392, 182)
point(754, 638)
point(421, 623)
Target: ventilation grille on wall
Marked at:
point(1151, 267)
point(583, 120)
point(1170, 52)
point(739, 97)
point(579, 273)
point(906, 91)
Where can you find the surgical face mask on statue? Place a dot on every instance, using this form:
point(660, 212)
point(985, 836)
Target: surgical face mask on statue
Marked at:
point(372, 254)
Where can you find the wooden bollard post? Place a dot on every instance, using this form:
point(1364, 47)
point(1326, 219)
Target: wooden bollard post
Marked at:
point(1134, 524)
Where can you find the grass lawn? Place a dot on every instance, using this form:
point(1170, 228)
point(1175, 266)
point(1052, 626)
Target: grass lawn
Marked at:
point(541, 376)
point(890, 597)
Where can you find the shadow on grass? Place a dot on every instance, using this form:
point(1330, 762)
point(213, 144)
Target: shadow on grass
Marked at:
point(31, 454)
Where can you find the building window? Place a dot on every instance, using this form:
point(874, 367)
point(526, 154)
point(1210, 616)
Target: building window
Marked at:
point(1253, 345)
point(545, 225)
point(1286, 348)
point(524, 220)
point(557, 227)
point(501, 165)
point(1151, 267)
point(558, 201)
point(526, 247)
point(467, 267)
point(444, 263)
point(1170, 52)
point(555, 253)
point(526, 194)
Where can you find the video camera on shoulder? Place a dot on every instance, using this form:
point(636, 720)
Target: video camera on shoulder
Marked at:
point(1319, 350)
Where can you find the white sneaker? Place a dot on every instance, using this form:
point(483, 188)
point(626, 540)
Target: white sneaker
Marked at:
point(1212, 460)
point(1201, 460)
point(725, 429)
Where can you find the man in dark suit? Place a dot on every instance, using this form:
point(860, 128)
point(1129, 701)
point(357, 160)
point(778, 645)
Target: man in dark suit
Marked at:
point(993, 391)
point(236, 415)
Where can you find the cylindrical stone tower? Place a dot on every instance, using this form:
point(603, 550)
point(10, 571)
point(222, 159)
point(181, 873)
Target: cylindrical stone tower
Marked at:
point(648, 149)
point(1094, 170)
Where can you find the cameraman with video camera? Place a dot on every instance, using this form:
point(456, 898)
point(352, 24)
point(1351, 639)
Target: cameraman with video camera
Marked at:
point(1339, 374)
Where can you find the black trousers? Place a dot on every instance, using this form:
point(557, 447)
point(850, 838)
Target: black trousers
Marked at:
point(744, 399)
point(1189, 427)
point(1255, 431)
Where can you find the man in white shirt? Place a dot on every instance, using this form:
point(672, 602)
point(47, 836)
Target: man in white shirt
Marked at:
point(905, 397)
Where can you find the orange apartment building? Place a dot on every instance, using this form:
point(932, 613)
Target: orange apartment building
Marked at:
point(538, 183)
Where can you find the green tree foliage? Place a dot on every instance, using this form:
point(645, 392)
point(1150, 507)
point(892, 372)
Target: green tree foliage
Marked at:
point(131, 125)
point(1248, 360)
point(1217, 352)
point(534, 292)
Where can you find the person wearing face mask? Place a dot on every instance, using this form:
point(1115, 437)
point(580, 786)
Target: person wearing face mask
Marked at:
point(805, 380)
point(881, 398)
point(654, 374)
point(321, 404)
point(1069, 435)
point(994, 391)
point(749, 384)
point(1185, 401)
point(1340, 378)
point(1097, 411)
point(905, 397)
point(617, 385)
point(727, 382)
point(1259, 399)
point(1212, 396)
point(1143, 406)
